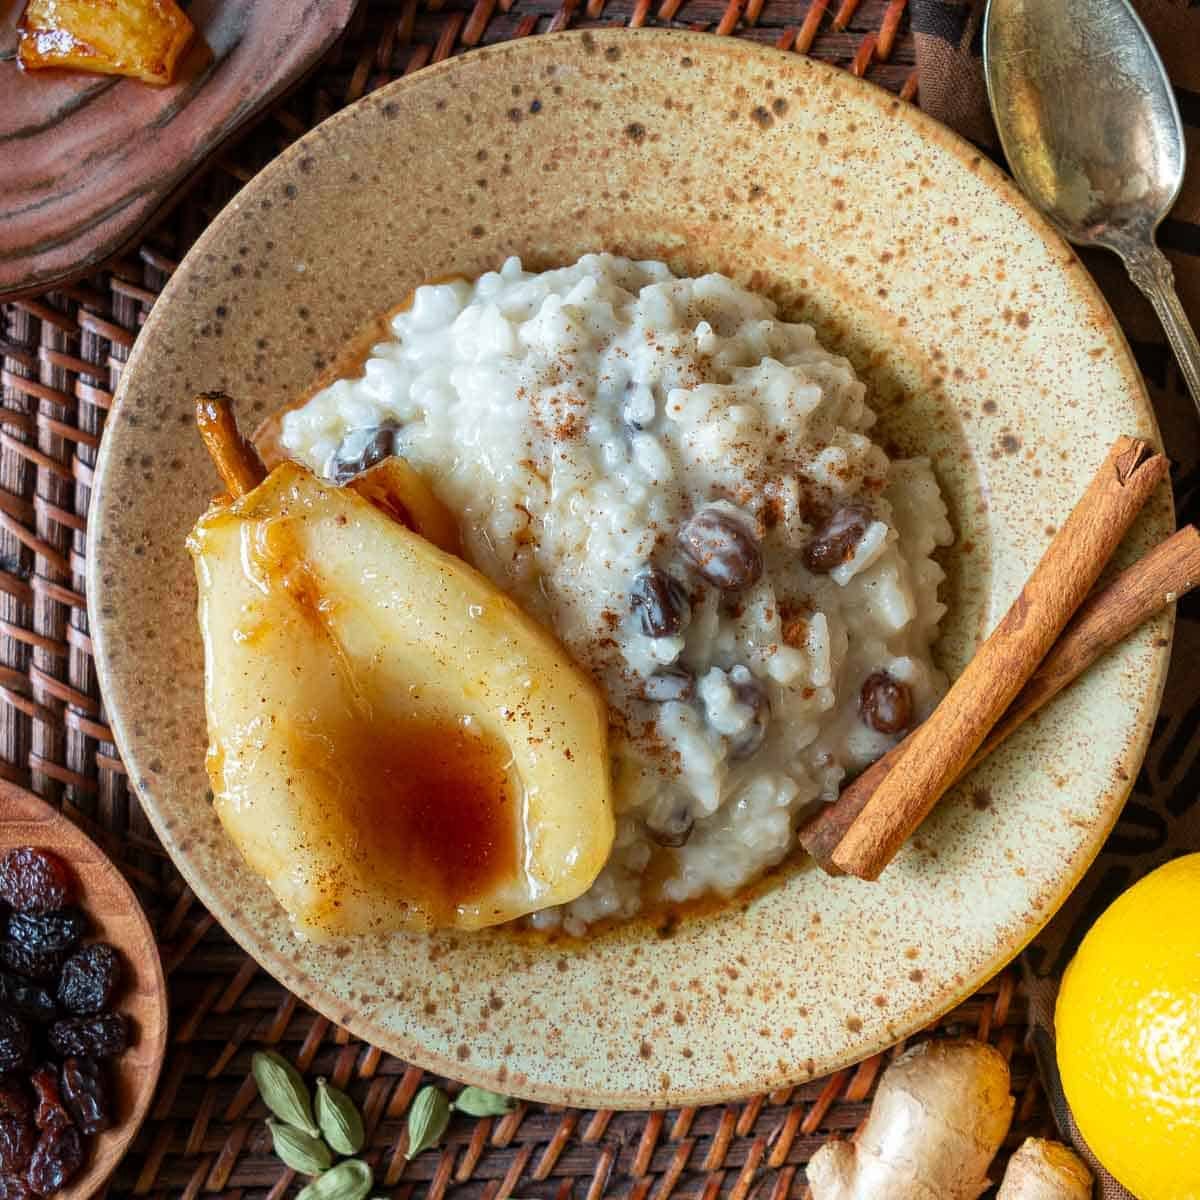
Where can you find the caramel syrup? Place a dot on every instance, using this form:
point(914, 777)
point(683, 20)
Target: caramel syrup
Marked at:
point(423, 808)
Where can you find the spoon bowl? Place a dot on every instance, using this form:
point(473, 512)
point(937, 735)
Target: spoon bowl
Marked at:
point(1086, 114)
point(1093, 136)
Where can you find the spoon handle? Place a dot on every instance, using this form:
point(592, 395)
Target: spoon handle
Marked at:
point(1150, 269)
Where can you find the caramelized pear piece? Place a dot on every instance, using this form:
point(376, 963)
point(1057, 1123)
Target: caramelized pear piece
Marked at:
point(399, 490)
point(394, 744)
point(141, 38)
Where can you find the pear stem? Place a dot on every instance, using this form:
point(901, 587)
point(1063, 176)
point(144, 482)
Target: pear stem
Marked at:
point(237, 461)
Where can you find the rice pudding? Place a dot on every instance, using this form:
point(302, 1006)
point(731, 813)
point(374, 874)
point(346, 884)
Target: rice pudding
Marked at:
point(683, 487)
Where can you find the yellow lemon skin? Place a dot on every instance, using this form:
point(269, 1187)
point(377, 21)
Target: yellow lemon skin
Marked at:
point(1128, 1028)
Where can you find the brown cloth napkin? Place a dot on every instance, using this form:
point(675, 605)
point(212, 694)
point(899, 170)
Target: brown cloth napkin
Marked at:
point(1161, 819)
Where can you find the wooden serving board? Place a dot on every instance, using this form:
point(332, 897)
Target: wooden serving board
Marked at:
point(86, 160)
point(115, 917)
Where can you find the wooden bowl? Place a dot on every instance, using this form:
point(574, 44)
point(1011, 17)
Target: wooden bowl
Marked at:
point(115, 917)
point(99, 155)
point(984, 344)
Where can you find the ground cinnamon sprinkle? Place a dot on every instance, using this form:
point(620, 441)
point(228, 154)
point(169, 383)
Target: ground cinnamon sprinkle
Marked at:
point(795, 633)
point(570, 429)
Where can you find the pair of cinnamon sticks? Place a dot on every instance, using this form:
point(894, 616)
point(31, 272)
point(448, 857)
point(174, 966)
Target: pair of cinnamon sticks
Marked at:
point(1019, 667)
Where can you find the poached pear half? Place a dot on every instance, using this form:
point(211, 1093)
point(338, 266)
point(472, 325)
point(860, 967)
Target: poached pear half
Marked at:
point(393, 742)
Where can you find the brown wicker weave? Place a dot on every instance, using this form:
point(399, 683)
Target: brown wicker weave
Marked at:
point(62, 355)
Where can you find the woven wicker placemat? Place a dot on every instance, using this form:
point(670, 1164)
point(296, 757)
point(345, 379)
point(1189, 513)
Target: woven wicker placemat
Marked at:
point(62, 355)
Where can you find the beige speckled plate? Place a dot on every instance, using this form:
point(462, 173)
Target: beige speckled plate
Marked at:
point(987, 346)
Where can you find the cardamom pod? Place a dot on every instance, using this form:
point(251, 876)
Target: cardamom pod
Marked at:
point(339, 1119)
point(295, 1149)
point(351, 1179)
point(479, 1102)
point(283, 1091)
point(427, 1120)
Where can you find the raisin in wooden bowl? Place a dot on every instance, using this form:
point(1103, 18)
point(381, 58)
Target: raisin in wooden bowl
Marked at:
point(112, 916)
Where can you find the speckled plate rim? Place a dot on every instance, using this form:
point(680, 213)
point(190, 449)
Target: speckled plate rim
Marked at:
point(915, 1016)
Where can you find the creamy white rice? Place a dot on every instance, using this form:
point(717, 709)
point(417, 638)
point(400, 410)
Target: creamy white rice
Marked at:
point(575, 420)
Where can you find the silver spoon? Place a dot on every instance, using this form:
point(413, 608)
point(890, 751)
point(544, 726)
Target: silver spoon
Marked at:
point(1093, 137)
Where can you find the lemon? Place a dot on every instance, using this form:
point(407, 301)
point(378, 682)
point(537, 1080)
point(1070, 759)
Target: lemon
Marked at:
point(1128, 1026)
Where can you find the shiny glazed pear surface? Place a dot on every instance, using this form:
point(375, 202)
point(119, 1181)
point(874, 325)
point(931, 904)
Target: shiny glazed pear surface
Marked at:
point(393, 742)
point(140, 38)
point(399, 490)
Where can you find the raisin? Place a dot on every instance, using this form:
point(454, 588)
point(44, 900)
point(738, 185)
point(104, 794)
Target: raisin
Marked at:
point(671, 683)
point(35, 881)
point(721, 548)
point(13, 1187)
point(56, 1159)
point(53, 931)
point(659, 602)
point(50, 1108)
point(747, 690)
point(98, 1037)
point(17, 1140)
point(42, 965)
point(675, 829)
point(837, 539)
point(16, 1042)
point(86, 1094)
point(885, 703)
point(361, 449)
point(25, 998)
point(89, 980)
point(14, 1097)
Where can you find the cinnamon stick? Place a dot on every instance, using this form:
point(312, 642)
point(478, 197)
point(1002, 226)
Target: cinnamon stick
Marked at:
point(822, 833)
point(237, 462)
point(1160, 577)
point(938, 751)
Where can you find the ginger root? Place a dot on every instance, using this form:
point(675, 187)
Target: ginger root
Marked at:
point(1042, 1170)
point(940, 1113)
